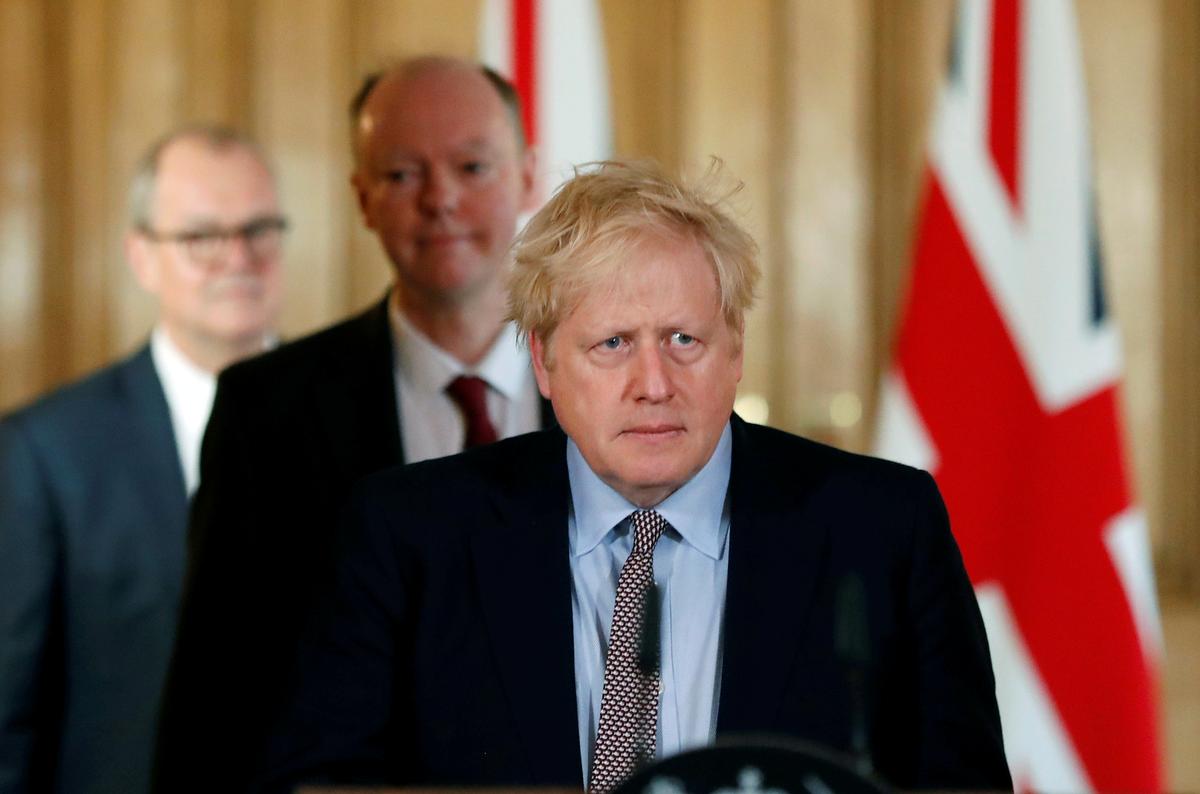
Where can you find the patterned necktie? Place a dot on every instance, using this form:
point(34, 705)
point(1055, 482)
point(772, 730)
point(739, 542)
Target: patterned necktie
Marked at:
point(629, 702)
point(470, 393)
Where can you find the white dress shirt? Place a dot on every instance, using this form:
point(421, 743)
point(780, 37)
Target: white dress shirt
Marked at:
point(431, 423)
point(189, 390)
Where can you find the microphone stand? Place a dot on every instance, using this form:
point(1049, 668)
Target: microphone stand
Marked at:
point(852, 642)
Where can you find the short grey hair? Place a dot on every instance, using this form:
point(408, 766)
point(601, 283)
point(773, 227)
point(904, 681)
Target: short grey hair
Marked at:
point(142, 187)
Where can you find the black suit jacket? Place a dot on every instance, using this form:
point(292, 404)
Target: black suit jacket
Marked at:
point(446, 654)
point(290, 432)
point(92, 517)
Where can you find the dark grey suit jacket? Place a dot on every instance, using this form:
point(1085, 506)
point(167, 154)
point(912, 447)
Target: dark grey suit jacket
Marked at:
point(92, 519)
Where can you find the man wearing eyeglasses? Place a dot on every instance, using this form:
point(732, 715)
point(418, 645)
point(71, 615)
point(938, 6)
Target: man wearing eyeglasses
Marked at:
point(441, 174)
point(95, 478)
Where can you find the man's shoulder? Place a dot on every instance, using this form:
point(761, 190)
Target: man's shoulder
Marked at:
point(334, 346)
point(91, 399)
point(88, 426)
point(795, 454)
point(869, 507)
point(513, 467)
point(813, 473)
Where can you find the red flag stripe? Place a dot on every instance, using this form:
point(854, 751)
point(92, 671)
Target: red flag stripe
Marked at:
point(1004, 106)
point(525, 58)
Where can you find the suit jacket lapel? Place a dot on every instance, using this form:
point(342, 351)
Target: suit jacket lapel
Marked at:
point(524, 578)
point(775, 561)
point(356, 397)
point(157, 464)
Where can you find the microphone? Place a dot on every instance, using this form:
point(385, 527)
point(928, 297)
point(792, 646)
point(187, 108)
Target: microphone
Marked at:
point(852, 643)
point(651, 631)
point(647, 658)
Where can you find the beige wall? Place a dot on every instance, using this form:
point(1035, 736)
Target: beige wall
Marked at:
point(821, 108)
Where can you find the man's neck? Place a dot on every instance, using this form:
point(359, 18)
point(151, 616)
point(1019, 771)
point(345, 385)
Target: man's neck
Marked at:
point(214, 355)
point(466, 330)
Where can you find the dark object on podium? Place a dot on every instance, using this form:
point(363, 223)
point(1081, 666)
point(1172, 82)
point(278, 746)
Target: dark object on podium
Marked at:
point(436, 790)
point(748, 767)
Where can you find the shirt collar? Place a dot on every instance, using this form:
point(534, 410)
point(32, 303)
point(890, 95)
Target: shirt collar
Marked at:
point(179, 374)
point(505, 367)
point(696, 510)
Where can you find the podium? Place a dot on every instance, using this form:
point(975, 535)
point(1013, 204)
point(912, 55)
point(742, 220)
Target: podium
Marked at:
point(769, 766)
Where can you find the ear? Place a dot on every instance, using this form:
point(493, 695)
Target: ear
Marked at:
point(361, 183)
point(142, 261)
point(739, 355)
point(537, 352)
point(529, 181)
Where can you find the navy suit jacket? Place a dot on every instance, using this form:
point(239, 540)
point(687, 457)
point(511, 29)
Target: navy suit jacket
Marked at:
point(291, 432)
point(92, 517)
point(445, 655)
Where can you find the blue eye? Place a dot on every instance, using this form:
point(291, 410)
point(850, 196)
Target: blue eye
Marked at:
point(474, 167)
point(680, 338)
point(612, 343)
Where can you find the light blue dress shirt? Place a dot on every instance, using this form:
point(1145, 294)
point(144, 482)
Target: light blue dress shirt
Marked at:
point(691, 562)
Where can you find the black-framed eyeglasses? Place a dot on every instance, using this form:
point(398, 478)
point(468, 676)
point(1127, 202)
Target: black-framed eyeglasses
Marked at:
point(212, 245)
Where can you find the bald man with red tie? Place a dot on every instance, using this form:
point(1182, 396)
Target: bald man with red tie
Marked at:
point(441, 174)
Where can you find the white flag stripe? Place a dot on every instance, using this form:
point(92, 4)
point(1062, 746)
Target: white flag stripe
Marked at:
point(572, 117)
point(495, 36)
point(902, 435)
point(573, 75)
point(1129, 545)
point(1040, 753)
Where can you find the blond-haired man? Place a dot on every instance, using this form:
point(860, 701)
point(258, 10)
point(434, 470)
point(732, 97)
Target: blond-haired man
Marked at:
point(561, 607)
point(441, 174)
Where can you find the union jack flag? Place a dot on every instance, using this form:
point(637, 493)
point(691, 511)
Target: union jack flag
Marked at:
point(1005, 387)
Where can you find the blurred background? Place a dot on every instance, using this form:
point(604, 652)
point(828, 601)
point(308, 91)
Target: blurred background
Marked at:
point(821, 108)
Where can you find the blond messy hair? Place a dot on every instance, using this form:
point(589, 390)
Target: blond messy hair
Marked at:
point(583, 237)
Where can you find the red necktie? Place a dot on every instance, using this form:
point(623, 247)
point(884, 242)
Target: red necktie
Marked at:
point(470, 393)
point(629, 702)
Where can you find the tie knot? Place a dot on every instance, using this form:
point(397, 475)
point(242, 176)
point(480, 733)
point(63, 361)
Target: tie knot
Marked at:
point(648, 527)
point(470, 392)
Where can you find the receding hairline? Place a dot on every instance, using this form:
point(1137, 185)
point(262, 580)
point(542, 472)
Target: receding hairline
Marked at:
point(216, 138)
point(410, 68)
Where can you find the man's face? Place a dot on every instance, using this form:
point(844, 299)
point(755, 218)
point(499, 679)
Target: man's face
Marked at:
point(233, 299)
point(642, 375)
point(441, 180)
